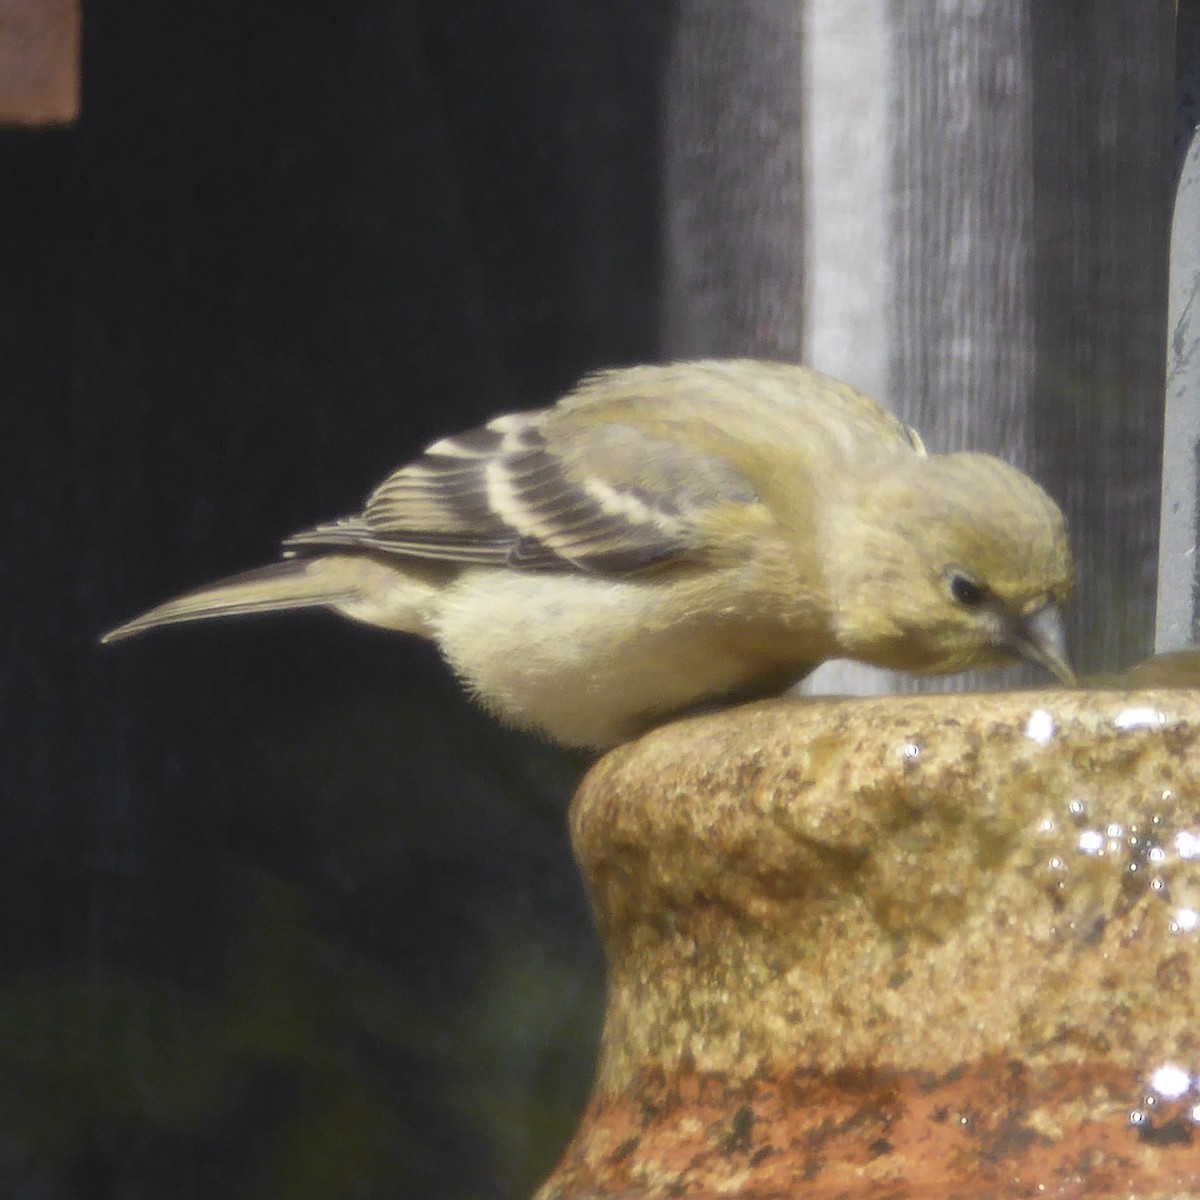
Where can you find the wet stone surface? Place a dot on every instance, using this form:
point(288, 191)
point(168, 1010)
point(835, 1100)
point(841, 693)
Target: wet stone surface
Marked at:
point(937, 944)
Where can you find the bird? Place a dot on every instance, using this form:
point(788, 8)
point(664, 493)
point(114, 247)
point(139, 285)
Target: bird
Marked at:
point(681, 535)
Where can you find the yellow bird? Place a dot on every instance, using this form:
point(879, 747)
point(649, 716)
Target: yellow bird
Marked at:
point(666, 536)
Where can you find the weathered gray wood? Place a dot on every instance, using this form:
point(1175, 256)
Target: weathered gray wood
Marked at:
point(1024, 265)
point(1176, 623)
point(733, 227)
point(847, 58)
point(1103, 83)
point(961, 242)
point(960, 237)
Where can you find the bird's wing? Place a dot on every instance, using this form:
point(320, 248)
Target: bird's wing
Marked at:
point(610, 500)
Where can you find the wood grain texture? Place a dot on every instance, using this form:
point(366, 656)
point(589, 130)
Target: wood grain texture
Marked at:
point(1027, 208)
point(733, 235)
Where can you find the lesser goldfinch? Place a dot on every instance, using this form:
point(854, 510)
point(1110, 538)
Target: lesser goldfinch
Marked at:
point(667, 536)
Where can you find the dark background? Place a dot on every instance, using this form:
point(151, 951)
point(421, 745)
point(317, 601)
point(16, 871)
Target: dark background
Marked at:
point(283, 915)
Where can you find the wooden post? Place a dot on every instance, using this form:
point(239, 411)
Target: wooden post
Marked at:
point(993, 264)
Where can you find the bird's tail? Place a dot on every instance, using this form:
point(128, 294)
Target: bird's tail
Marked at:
point(293, 583)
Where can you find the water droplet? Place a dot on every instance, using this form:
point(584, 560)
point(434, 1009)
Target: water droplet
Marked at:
point(1187, 844)
point(1170, 1081)
point(1040, 727)
point(1140, 718)
point(1185, 920)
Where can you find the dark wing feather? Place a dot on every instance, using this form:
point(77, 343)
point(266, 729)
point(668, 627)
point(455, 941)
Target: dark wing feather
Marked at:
point(500, 496)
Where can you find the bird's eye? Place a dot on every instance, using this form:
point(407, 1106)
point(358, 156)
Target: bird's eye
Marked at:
point(966, 591)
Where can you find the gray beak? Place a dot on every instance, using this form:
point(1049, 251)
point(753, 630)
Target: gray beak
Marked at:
point(1039, 638)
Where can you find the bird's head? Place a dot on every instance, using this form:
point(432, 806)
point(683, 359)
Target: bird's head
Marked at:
point(952, 562)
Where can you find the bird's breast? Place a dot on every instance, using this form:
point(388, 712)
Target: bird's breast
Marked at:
point(591, 662)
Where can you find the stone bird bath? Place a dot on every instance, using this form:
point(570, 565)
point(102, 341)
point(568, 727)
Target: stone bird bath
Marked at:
point(935, 946)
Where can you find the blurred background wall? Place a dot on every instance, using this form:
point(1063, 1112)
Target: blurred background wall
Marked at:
point(283, 915)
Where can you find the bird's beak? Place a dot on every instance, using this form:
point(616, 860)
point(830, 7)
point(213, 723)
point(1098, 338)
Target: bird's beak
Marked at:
point(1040, 638)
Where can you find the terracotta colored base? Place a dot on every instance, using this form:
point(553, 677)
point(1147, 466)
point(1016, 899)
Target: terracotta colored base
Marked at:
point(996, 1129)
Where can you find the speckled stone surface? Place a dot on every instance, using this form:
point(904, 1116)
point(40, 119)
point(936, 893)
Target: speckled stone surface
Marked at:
point(927, 945)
